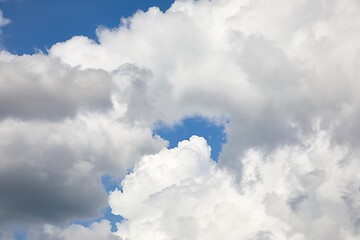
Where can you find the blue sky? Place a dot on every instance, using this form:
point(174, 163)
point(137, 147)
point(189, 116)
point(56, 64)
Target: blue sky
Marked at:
point(213, 132)
point(38, 24)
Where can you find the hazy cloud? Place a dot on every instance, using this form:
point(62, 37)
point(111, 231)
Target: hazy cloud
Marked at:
point(3, 21)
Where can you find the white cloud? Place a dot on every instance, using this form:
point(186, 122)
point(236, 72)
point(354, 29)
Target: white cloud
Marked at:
point(283, 72)
point(308, 192)
point(3, 21)
point(274, 69)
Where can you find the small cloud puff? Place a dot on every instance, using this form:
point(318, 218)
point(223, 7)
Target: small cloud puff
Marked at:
point(3, 21)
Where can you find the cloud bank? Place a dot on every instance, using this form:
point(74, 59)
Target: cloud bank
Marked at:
point(282, 74)
point(274, 69)
point(294, 193)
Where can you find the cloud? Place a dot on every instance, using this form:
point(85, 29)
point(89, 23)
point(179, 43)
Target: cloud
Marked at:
point(43, 88)
point(62, 128)
point(50, 171)
point(284, 74)
point(6, 234)
point(97, 230)
point(3, 21)
point(274, 70)
point(297, 192)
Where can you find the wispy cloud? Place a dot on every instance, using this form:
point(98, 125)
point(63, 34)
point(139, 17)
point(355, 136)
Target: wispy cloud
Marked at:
point(3, 21)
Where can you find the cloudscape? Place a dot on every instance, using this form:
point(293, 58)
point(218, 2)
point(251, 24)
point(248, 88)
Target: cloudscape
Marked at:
point(81, 150)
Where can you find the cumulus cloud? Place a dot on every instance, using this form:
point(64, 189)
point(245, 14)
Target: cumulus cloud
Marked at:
point(283, 73)
point(274, 69)
point(61, 129)
point(51, 171)
point(297, 192)
point(40, 87)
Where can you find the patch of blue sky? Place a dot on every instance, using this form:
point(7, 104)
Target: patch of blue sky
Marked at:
point(113, 219)
point(111, 183)
point(19, 234)
point(212, 131)
point(38, 24)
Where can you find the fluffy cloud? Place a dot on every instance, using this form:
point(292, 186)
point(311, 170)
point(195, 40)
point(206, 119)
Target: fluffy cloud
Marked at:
point(274, 69)
point(40, 87)
point(61, 129)
point(283, 73)
point(51, 171)
point(297, 192)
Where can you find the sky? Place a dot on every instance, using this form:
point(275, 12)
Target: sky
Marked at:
point(38, 24)
point(222, 119)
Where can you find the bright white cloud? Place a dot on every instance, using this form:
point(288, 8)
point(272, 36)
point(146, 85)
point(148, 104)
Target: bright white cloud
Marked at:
point(308, 192)
point(274, 69)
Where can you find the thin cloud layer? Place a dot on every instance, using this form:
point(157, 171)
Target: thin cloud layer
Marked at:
point(283, 74)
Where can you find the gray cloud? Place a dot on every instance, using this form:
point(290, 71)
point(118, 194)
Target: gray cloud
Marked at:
point(34, 195)
point(50, 171)
point(43, 88)
point(100, 230)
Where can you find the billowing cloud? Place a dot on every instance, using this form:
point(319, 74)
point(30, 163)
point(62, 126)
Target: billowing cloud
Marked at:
point(273, 69)
point(51, 171)
point(61, 129)
point(282, 73)
point(297, 192)
point(40, 87)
